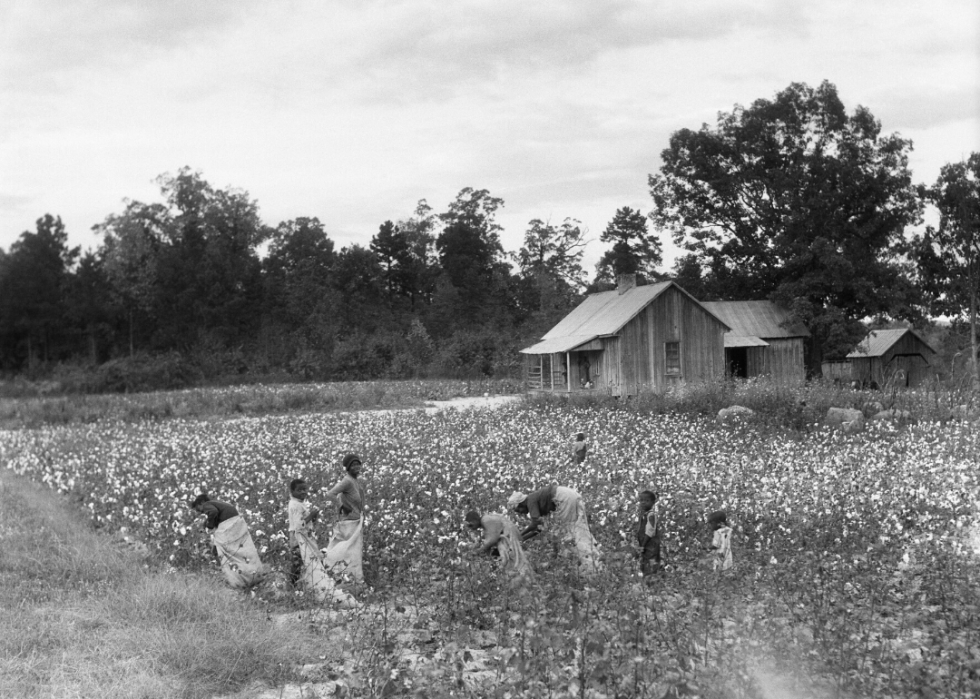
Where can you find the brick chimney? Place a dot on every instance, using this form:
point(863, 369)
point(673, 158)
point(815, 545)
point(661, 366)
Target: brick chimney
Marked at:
point(625, 282)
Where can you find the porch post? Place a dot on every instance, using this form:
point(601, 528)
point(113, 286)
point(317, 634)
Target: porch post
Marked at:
point(551, 370)
point(568, 371)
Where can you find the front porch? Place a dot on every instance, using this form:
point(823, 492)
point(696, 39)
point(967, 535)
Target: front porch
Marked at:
point(562, 372)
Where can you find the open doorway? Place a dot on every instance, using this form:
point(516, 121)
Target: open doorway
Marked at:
point(737, 362)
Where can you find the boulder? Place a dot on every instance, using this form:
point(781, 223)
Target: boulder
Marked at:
point(894, 415)
point(733, 414)
point(838, 416)
point(853, 426)
point(872, 408)
point(964, 412)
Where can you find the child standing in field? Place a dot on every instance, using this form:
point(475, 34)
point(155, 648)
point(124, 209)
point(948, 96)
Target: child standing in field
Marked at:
point(578, 448)
point(721, 541)
point(301, 515)
point(648, 533)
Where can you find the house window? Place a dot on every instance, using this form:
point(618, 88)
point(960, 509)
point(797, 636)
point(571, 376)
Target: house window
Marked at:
point(672, 356)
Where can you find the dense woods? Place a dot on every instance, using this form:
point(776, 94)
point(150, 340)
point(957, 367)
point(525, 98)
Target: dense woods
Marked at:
point(789, 199)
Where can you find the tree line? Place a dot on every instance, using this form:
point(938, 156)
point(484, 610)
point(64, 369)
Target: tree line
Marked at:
point(790, 199)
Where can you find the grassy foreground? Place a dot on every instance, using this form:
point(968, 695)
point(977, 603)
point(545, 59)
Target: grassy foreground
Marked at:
point(84, 616)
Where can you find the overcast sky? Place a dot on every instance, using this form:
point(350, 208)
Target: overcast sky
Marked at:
point(352, 111)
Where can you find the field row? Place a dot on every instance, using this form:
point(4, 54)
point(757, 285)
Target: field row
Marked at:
point(822, 491)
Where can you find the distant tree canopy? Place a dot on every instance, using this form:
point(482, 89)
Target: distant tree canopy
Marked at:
point(948, 257)
point(34, 286)
point(790, 199)
point(794, 200)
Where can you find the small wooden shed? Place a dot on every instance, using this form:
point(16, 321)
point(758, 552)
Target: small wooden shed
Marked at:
point(762, 340)
point(892, 357)
point(632, 339)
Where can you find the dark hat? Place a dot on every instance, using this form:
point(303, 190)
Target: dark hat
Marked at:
point(350, 459)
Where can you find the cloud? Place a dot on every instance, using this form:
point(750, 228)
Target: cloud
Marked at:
point(437, 50)
point(925, 108)
point(43, 39)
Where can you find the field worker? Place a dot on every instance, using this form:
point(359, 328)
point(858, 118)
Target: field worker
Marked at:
point(570, 517)
point(501, 536)
point(346, 547)
point(578, 448)
point(232, 541)
point(307, 566)
point(721, 541)
point(648, 532)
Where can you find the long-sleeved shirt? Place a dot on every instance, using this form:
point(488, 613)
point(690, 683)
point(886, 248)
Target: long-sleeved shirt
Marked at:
point(217, 512)
point(351, 497)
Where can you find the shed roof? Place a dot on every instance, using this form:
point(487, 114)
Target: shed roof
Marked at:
point(601, 315)
point(559, 344)
point(733, 340)
point(878, 342)
point(762, 319)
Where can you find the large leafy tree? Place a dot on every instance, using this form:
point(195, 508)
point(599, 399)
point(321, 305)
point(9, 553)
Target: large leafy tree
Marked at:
point(210, 272)
point(476, 284)
point(416, 266)
point(404, 251)
point(551, 270)
point(556, 250)
point(130, 253)
point(357, 276)
point(300, 300)
point(634, 250)
point(89, 304)
point(948, 257)
point(794, 200)
point(34, 285)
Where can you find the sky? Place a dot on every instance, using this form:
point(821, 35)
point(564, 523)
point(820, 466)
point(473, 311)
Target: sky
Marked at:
point(353, 110)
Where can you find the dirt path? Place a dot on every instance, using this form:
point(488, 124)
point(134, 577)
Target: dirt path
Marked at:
point(471, 402)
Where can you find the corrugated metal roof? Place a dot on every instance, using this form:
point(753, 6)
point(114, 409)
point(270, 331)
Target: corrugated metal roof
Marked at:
point(762, 319)
point(880, 341)
point(558, 344)
point(733, 340)
point(604, 314)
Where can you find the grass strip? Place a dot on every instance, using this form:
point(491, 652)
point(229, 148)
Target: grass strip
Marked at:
point(86, 617)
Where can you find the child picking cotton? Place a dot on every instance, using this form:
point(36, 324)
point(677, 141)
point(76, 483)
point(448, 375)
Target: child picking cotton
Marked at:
point(721, 541)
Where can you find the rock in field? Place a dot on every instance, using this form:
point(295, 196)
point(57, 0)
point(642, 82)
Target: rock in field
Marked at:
point(902, 416)
point(836, 417)
point(965, 412)
point(734, 413)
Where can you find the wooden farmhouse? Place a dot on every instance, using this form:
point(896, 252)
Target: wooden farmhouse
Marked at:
point(762, 340)
point(632, 339)
point(893, 357)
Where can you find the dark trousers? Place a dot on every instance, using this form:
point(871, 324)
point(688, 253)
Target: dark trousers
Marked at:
point(295, 565)
point(650, 556)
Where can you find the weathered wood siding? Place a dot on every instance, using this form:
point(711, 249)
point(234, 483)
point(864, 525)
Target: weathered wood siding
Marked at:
point(906, 363)
point(671, 317)
point(610, 376)
point(784, 360)
point(757, 361)
point(836, 371)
